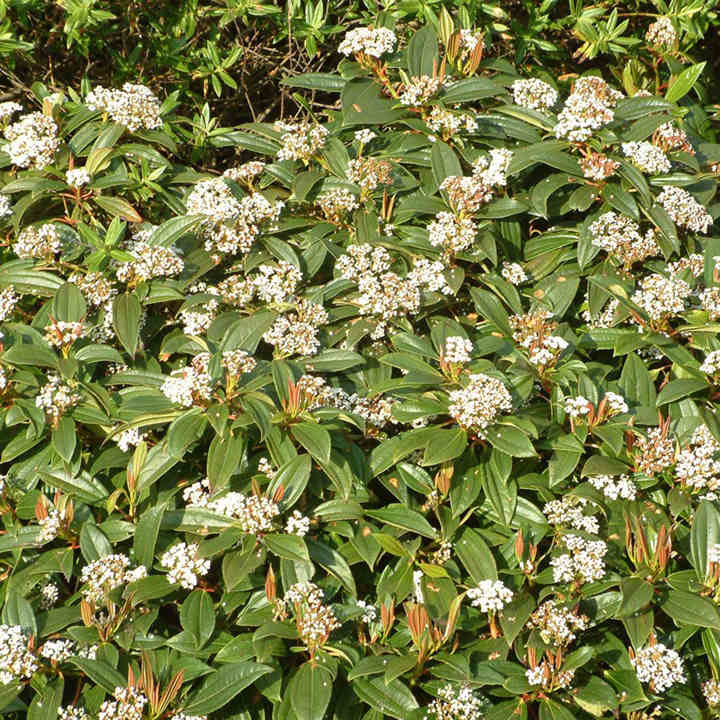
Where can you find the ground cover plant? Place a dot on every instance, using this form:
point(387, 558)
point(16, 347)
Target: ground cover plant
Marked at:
point(401, 405)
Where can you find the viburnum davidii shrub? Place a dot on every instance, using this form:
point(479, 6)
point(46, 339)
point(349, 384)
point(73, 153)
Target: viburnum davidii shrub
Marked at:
point(410, 414)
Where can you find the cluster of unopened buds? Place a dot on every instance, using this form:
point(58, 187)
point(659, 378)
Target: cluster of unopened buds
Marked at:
point(548, 674)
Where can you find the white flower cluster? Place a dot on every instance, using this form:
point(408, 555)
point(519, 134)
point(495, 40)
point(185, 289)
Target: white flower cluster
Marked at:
point(106, 573)
point(514, 273)
point(16, 661)
point(32, 141)
point(128, 704)
point(8, 300)
point(375, 410)
point(255, 513)
point(5, 207)
point(451, 233)
point(365, 136)
point(131, 437)
point(238, 362)
point(647, 157)
point(38, 241)
point(490, 595)
point(183, 565)
point(61, 649)
point(297, 524)
point(557, 624)
point(49, 595)
point(614, 488)
point(684, 209)
point(449, 122)
point(384, 294)
point(277, 283)
point(596, 166)
point(77, 177)
point(337, 203)
point(534, 94)
point(615, 404)
point(96, 288)
point(711, 364)
point(711, 692)
point(8, 109)
point(149, 261)
point(713, 553)
point(577, 407)
point(661, 33)
point(419, 90)
point(661, 297)
point(694, 263)
point(584, 561)
point(620, 236)
point(374, 42)
point(368, 173)
point(184, 716)
point(56, 397)
point(544, 675)
point(300, 141)
point(72, 712)
point(477, 405)
point(296, 333)
point(50, 525)
point(659, 666)
point(492, 170)
point(697, 465)
point(369, 612)
point(533, 332)
point(214, 200)
point(315, 620)
point(569, 510)
point(656, 451)
point(246, 172)
point(710, 302)
point(135, 106)
point(588, 107)
point(670, 137)
point(457, 349)
point(455, 703)
point(189, 385)
point(63, 334)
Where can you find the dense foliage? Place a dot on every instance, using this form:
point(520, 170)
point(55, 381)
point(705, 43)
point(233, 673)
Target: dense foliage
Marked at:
point(407, 410)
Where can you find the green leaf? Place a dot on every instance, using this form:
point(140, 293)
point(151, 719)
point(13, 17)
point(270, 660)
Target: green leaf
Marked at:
point(683, 83)
point(223, 685)
point(423, 53)
point(289, 547)
point(197, 616)
point(315, 439)
point(310, 690)
point(169, 232)
point(327, 82)
point(68, 304)
point(687, 608)
point(64, 438)
point(704, 534)
point(678, 389)
point(45, 704)
point(118, 207)
point(510, 440)
point(476, 556)
point(393, 699)
point(444, 162)
point(126, 321)
point(100, 672)
point(400, 516)
point(224, 458)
